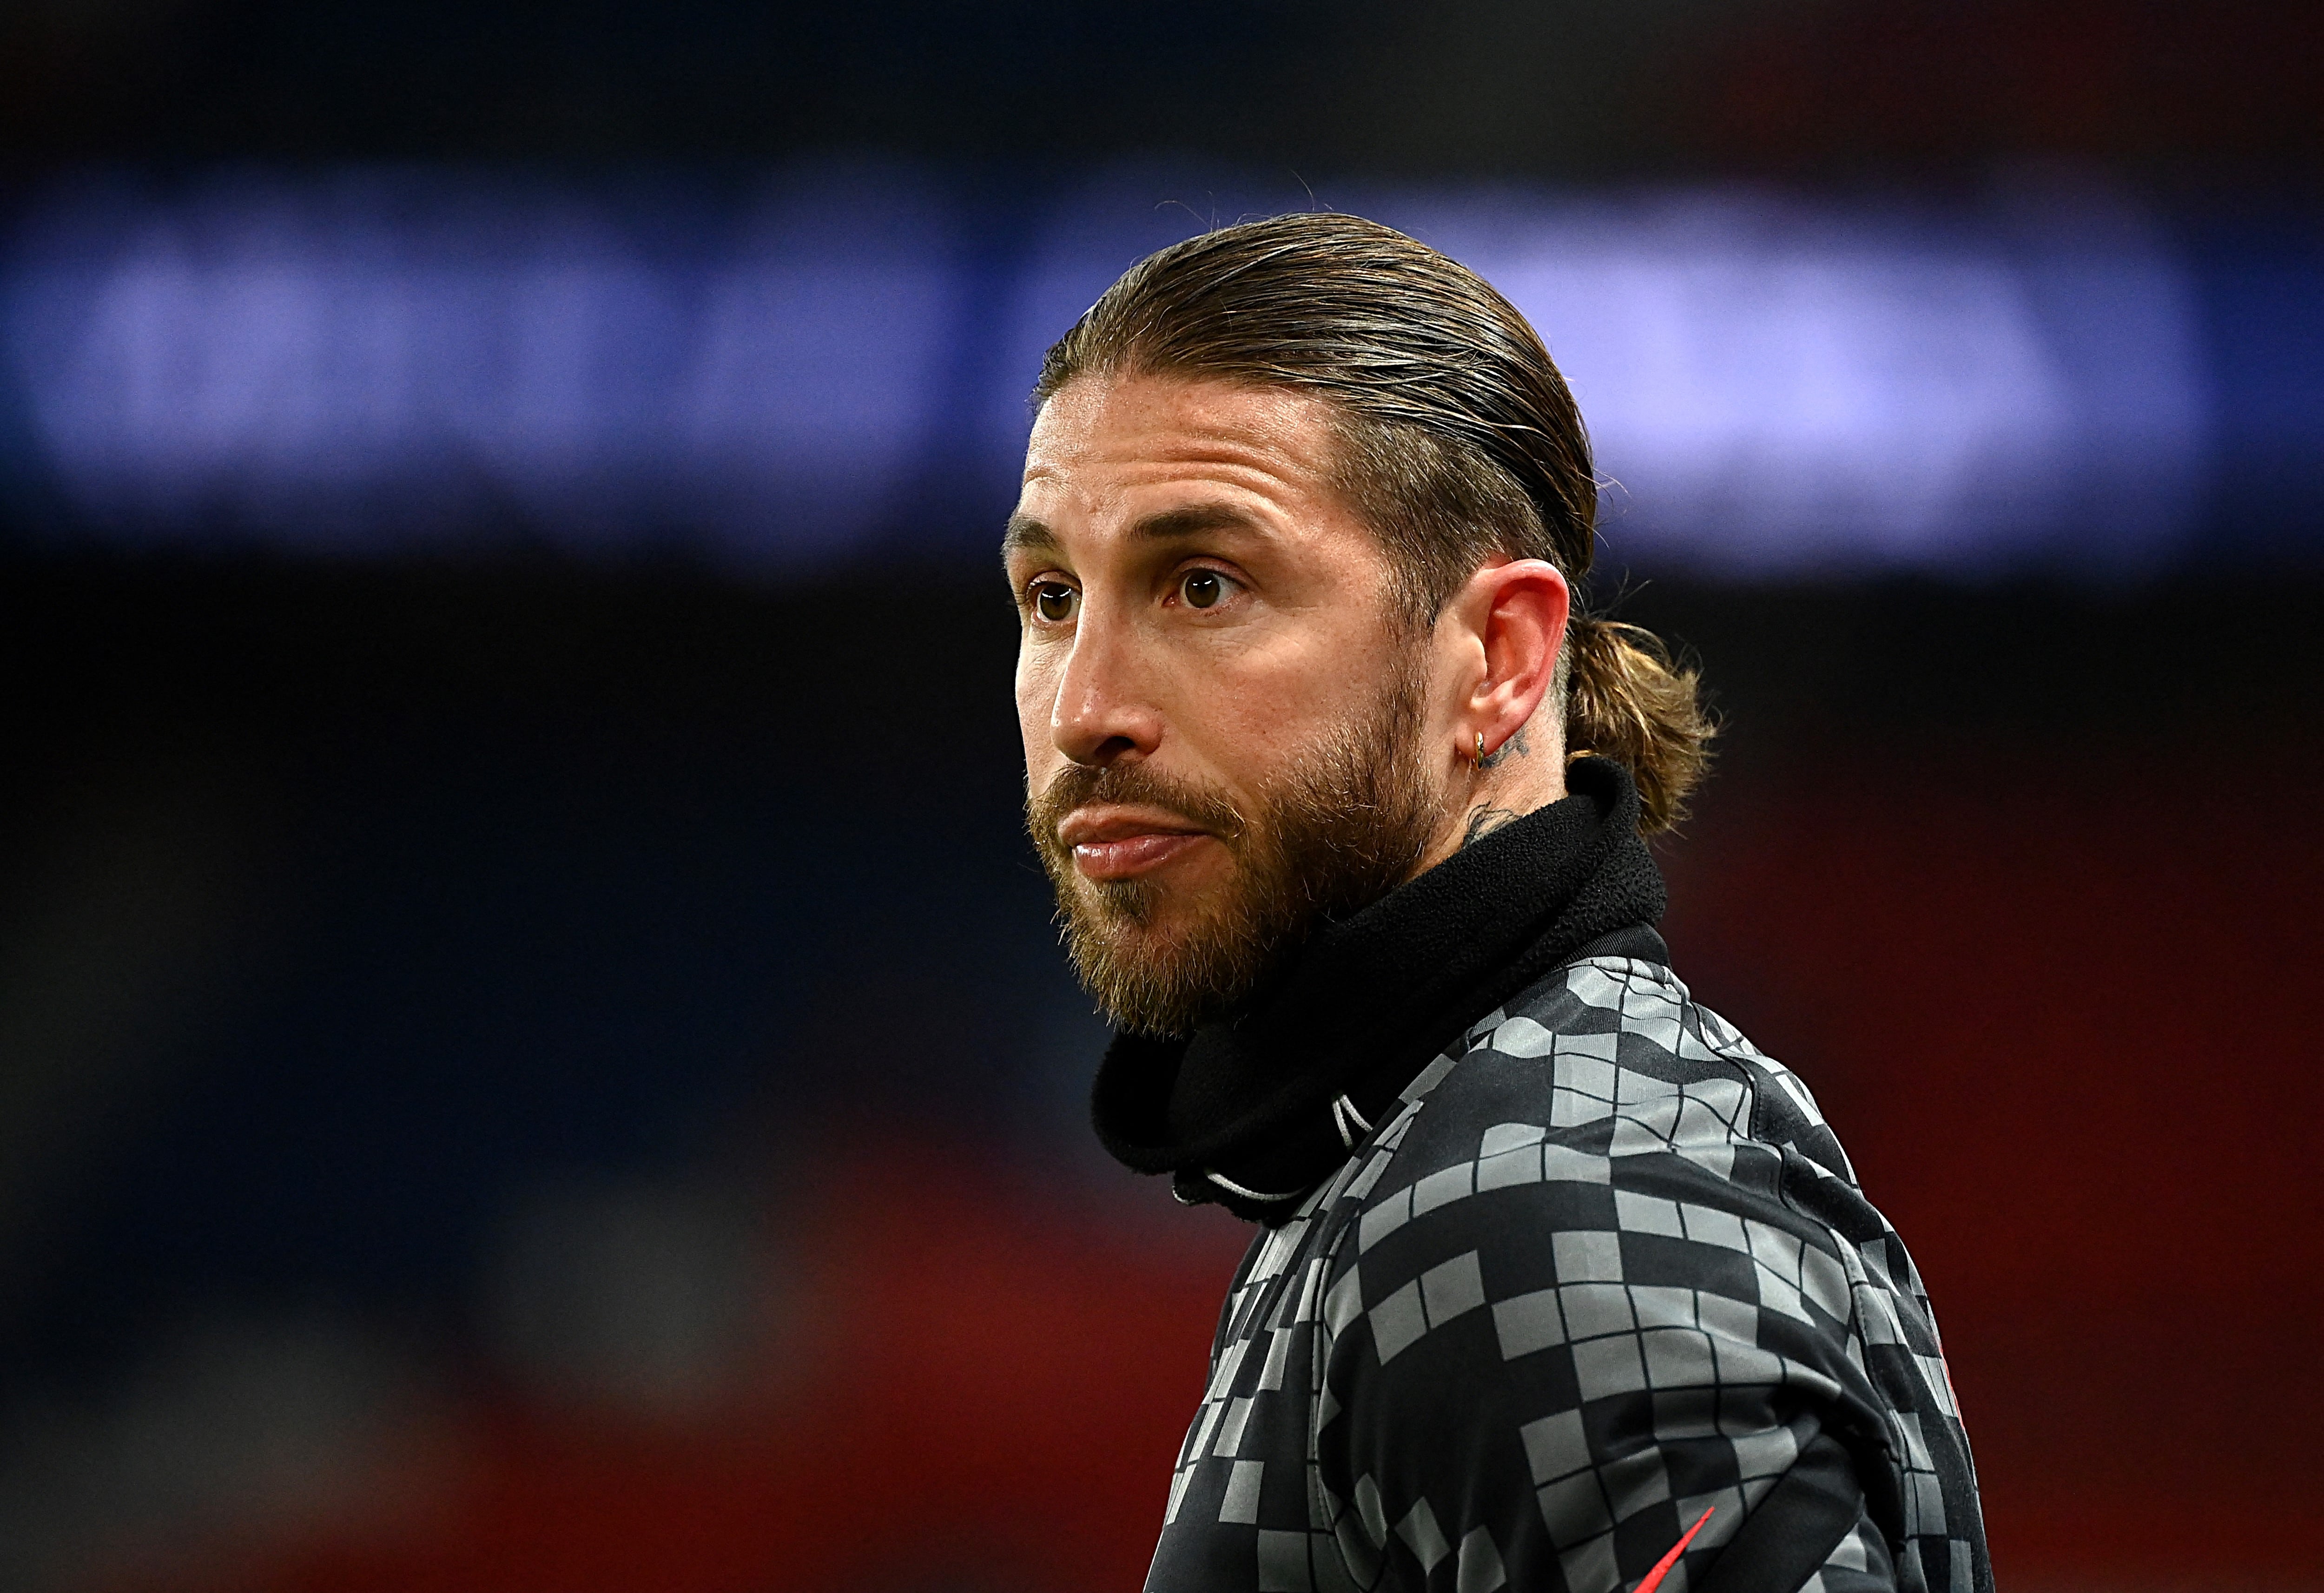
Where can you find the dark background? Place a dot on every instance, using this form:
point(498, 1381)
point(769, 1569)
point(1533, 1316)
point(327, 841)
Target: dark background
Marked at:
point(530, 1071)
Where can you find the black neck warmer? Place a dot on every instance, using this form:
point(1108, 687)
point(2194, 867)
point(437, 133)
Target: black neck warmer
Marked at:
point(1252, 1112)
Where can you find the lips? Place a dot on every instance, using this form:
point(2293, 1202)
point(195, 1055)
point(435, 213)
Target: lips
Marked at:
point(1123, 844)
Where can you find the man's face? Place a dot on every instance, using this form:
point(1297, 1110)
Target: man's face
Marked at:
point(1224, 719)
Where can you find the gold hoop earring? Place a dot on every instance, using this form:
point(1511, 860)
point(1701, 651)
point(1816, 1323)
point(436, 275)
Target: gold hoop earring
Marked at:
point(1478, 760)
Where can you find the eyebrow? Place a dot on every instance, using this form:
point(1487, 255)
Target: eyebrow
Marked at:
point(1192, 521)
point(1026, 535)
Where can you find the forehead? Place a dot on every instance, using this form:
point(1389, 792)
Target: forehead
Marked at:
point(1098, 435)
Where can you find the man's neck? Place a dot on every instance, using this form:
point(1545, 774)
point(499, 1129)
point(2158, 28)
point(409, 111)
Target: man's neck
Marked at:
point(1525, 774)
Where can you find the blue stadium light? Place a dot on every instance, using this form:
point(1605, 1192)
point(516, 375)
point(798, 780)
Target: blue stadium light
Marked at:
point(389, 361)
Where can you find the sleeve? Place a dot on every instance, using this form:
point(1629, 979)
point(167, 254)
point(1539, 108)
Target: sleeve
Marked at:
point(1545, 1389)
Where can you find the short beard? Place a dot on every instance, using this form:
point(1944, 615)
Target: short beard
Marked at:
point(1345, 824)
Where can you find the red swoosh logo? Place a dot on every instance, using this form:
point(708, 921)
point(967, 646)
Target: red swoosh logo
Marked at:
point(1662, 1566)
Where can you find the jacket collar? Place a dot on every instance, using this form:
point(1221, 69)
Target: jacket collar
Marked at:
point(1256, 1109)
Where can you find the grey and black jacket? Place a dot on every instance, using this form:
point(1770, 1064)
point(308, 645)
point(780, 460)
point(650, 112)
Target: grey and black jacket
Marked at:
point(1526, 1314)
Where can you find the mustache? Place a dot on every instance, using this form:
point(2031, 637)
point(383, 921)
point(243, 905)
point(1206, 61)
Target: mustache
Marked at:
point(1080, 784)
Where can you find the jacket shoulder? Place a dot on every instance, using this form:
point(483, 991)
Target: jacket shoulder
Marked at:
point(1608, 1223)
point(1604, 1060)
point(1605, 1106)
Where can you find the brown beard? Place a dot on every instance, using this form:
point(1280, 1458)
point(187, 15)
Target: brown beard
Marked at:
point(1345, 822)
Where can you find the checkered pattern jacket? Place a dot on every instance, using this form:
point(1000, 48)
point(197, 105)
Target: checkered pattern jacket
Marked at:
point(1603, 1269)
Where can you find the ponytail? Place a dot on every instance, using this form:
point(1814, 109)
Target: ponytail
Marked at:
point(1627, 700)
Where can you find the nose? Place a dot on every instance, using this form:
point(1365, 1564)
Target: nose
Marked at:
point(1101, 714)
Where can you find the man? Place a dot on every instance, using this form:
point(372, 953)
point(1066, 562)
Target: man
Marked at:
point(1561, 1284)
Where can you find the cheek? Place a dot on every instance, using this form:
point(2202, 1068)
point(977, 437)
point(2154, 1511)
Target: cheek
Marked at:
point(1271, 708)
point(1036, 696)
point(1240, 747)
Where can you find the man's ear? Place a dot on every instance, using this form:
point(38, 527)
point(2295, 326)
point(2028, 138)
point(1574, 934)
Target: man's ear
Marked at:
point(1517, 612)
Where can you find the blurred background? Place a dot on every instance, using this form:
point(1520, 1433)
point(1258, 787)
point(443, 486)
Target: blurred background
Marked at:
point(532, 1056)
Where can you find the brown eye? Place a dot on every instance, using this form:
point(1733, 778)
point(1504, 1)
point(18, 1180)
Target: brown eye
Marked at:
point(1203, 588)
point(1054, 602)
